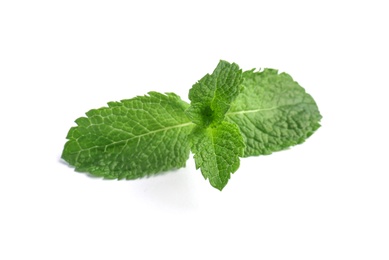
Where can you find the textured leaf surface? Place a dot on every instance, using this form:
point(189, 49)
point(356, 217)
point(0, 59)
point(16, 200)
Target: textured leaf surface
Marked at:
point(132, 138)
point(212, 95)
point(217, 151)
point(273, 112)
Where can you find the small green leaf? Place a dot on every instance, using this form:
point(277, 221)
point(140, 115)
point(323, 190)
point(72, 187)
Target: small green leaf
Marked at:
point(132, 138)
point(273, 112)
point(212, 95)
point(217, 151)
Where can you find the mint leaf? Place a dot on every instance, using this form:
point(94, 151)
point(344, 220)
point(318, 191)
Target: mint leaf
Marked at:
point(211, 96)
point(217, 151)
point(216, 144)
point(231, 115)
point(273, 112)
point(132, 138)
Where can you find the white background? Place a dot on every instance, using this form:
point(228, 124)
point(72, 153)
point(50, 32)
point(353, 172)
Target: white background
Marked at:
point(325, 199)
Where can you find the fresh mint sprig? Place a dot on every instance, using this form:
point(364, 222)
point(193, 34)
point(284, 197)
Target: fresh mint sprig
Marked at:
point(232, 114)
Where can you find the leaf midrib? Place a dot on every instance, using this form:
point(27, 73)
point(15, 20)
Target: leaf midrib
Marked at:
point(264, 109)
point(137, 136)
point(251, 111)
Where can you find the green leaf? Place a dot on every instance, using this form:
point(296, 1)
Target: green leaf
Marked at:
point(232, 114)
point(212, 95)
point(132, 138)
point(273, 112)
point(217, 151)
